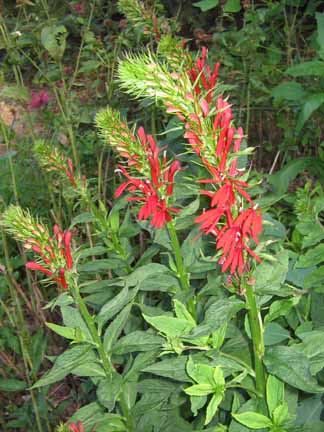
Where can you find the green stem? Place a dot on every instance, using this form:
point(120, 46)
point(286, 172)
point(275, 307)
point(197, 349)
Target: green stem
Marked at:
point(182, 272)
point(257, 339)
point(94, 333)
point(105, 359)
point(119, 248)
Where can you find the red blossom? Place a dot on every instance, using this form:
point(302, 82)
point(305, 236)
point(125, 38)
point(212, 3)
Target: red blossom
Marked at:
point(54, 258)
point(31, 265)
point(76, 427)
point(153, 191)
point(233, 240)
point(39, 99)
point(202, 76)
point(78, 8)
point(232, 218)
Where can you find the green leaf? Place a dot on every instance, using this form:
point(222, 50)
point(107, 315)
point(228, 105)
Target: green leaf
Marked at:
point(197, 402)
point(201, 373)
point(109, 389)
point(137, 341)
point(199, 390)
point(53, 39)
point(182, 312)
point(309, 410)
point(97, 250)
point(206, 5)
point(152, 277)
point(221, 312)
point(313, 347)
point(312, 257)
point(212, 407)
point(93, 415)
point(113, 306)
point(65, 363)
point(218, 336)
point(292, 366)
point(275, 333)
point(320, 32)
point(100, 265)
point(280, 180)
point(315, 278)
point(289, 90)
point(280, 308)
point(66, 332)
point(253, 420)
point(270, 276)
point(218, 377)
point(310, 68)
point(232, 6)
point(18, 93)
point(82, 218)
point(12, 385)
point(116, 327)
point(174, 368)
point(310, 104)
point(72, 318)
point(280, 414)
point(170, 326)
point(275, 393)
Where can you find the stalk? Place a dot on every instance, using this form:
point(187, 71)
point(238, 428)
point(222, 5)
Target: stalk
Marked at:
point(256, 326)
point(105, 359)
point(181, 270)
point(94, 333)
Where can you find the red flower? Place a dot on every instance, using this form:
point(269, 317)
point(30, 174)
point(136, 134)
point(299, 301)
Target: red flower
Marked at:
point(76, 427)
point(233, 240)
point(31, 265)
point(70, 172)
point(78, 8)
point(202, 76)
point(152, 192)
point(39, 99)
point(153, 205)
point(55, 257)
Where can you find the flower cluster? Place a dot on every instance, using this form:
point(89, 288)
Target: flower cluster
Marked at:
point(39, 100)
point(196, 97)
point(153, 188)
point(52, 160)
point(53, 253)
point(233, 217)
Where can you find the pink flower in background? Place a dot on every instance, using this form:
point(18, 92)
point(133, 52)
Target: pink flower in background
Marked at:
point(78, 8)
point(39, 99)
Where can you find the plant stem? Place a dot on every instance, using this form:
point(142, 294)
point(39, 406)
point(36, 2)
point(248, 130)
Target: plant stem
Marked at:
point(94, 332)
point(182, 272)
point(257, 339)
point(105, 359)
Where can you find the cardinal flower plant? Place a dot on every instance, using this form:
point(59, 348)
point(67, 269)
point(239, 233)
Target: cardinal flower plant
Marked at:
point(149, 306)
